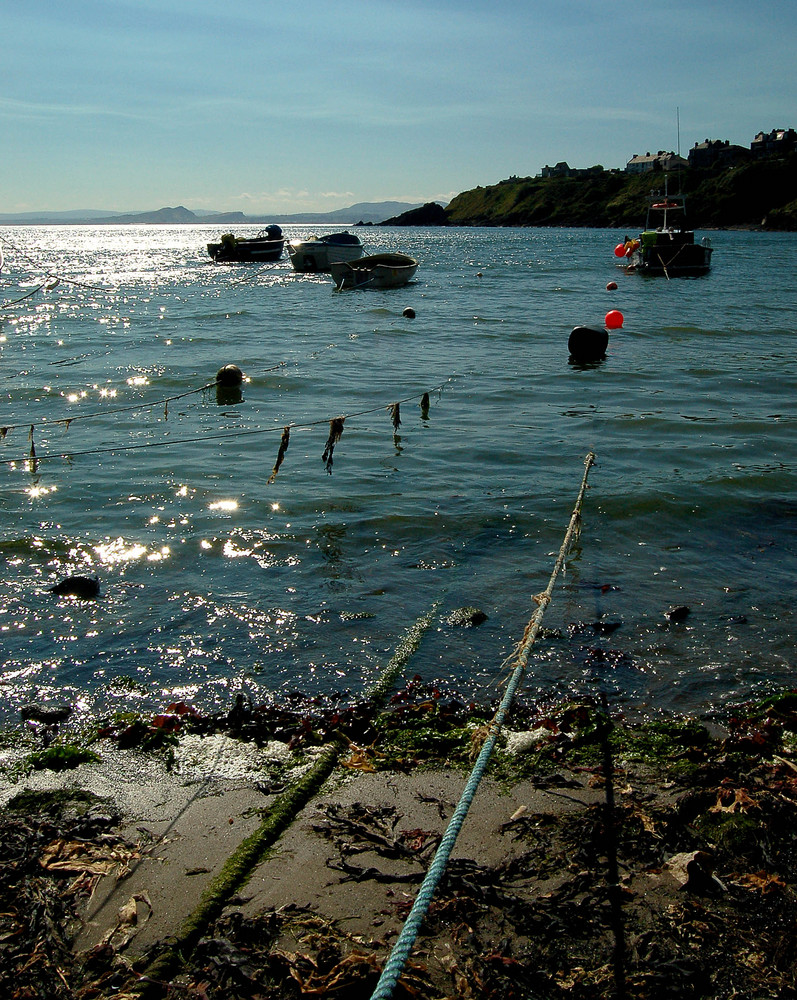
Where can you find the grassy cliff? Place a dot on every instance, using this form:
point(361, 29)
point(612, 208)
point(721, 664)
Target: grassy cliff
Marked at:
point(758, 195)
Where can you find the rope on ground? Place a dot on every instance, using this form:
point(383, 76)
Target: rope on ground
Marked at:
point(409, 932)
point(276, 820)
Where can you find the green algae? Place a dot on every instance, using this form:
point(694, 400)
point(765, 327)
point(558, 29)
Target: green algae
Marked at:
point(735, 834)
point(424, 745)
point(60, 757)
point(54, 802)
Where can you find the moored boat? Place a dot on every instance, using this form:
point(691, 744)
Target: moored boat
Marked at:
point(667, 246)
point(266, 246)
point(317, 252)
point(379, 270)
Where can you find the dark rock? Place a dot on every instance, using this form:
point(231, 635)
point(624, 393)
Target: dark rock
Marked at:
point(678, 614)
point(467, 617)
point(48, 714)
point(85, 587)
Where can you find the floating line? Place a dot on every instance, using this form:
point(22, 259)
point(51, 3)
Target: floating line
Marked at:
point(201, 440)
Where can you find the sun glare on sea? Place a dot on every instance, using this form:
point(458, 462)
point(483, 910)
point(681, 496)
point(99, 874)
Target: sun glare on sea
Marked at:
point(226, 505)
point(34, 492)
point(119, 551)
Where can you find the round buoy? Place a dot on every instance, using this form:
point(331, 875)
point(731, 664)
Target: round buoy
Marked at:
point(613, 320)
point(586, 344)
point(619, 250)
point(611, 286)
point(409, 312)
point(229, 375)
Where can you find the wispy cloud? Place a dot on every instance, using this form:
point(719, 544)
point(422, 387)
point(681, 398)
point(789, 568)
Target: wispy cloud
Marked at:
point(24, 110)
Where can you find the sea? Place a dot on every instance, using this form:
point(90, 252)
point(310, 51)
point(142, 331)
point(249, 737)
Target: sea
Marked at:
point(465, 435)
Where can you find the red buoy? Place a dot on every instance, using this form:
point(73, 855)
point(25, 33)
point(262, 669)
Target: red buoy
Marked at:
point(611, 286)
point(613, 320)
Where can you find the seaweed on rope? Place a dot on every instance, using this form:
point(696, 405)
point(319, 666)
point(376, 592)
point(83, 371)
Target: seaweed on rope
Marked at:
point(395, 415)
point(335, 432)
point(284, 442)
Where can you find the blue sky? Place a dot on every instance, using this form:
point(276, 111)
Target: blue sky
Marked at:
point(259, 106)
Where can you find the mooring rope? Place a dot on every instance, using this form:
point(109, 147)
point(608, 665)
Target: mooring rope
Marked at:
point(409, 932)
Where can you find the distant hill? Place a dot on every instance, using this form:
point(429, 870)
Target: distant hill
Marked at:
point(38, 218)
point(365, 212)
point(163, 216)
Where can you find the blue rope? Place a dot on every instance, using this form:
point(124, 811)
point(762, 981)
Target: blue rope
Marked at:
point(398, 957)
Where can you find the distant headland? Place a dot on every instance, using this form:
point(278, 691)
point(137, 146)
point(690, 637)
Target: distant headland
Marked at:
point(363, 212)
point(728, 187)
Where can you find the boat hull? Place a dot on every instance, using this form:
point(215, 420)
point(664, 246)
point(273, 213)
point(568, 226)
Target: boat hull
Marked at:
point(673, 254)
point(382, 270)
point(319, 253)
point(257, 250)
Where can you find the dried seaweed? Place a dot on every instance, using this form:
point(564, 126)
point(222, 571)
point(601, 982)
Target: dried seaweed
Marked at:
point(395, 415)
point(335, 433)
point(284, 442)
point(54, 847)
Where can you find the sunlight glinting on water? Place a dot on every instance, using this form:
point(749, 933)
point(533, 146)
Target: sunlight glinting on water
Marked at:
point(218, 575)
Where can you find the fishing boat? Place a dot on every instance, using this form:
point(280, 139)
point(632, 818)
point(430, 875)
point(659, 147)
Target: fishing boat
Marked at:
point(666, 246)
point(379, 270)
point(265, 247)
point(317, 252)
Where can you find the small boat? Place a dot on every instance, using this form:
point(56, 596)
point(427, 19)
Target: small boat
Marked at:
point(266, 246)
point(318, 252)
point(379, 270)
point(666, 246)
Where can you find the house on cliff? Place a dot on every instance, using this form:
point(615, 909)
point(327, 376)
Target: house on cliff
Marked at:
point(778, 142)
point(651, 162)
point(716, 153)
point(563, 170)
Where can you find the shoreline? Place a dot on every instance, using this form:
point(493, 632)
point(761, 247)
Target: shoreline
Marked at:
point(595, 854)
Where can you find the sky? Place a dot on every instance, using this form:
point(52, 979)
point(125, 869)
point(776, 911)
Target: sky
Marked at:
point(261, 106)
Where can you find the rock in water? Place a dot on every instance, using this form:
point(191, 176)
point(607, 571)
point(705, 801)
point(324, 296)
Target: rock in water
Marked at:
point(84, 587)
point(467, 616)
point(48, 714)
